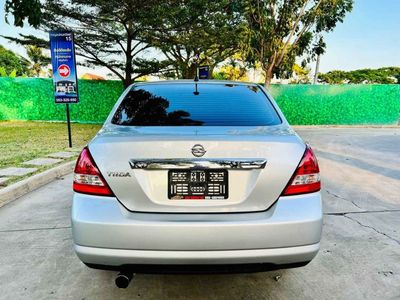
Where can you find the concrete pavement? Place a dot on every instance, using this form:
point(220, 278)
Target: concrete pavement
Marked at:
point(359, 259)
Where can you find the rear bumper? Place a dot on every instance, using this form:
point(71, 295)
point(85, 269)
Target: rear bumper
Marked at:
point(122, 257)
point(105, 233)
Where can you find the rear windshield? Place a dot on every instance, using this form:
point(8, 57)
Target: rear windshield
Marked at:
point(189, 105)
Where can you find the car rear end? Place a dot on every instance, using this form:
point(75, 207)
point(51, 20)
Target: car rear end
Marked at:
point(205, 174)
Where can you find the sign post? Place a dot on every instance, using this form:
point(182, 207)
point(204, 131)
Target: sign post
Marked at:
point(64, 71)
point(69, 125)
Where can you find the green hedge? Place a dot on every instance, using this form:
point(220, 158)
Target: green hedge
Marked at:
point(339, 104)
point(32, 99)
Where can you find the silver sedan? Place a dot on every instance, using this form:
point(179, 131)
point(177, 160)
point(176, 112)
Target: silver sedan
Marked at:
point(196, 176)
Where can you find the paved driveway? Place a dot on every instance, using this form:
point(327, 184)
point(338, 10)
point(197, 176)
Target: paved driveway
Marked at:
point(359, 259)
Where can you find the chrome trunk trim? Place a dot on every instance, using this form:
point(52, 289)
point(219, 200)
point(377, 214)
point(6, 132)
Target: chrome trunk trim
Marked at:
point(213, 163)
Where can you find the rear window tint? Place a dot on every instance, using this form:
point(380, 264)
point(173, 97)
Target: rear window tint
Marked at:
point(177, 104)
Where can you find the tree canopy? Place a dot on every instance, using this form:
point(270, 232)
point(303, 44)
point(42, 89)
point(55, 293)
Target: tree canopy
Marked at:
point(11, 63)
point(37, 60)
point(22, 10)
point(107, 33)
point(234, 69)
point(278, 31)
point(133, 39)
point(382, 75)
point(196, 32)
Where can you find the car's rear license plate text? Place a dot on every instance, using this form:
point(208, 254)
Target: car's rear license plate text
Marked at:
point(207, 184)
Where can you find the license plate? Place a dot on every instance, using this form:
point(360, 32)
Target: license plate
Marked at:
point(197, 184)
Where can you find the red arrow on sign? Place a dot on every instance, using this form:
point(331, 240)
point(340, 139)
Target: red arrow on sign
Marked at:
point(64, 71)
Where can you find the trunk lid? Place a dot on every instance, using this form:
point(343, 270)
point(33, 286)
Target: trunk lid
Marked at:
point(146, 190)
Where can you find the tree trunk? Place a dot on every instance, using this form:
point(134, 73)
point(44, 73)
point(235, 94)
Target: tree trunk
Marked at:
point(268, 75)
point(128, 70)
point(316, 69)
point(189, 71)
point(128, 55)
point(211, 71)
point(127, 82)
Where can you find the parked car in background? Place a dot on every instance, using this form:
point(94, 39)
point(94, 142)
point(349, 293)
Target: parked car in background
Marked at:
point(191, 176)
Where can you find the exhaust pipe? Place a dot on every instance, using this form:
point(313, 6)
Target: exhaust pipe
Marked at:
point(123, 279)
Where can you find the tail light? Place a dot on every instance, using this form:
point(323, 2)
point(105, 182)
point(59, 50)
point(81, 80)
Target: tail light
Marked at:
point(87, 177)
point(306, 179)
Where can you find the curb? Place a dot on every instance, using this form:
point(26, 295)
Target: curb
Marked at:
point(18, 189)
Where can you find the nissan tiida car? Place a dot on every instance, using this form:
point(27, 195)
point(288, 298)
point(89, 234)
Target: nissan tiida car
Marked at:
point(200, 176)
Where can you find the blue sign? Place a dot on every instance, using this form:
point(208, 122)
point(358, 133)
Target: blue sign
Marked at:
point(64, 67)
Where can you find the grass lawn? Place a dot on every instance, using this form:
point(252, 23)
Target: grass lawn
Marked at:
point(24, 140)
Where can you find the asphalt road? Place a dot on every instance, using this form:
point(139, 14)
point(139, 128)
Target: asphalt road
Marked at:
point(359, 259)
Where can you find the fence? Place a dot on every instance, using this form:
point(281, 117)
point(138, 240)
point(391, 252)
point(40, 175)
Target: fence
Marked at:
point(32, 99)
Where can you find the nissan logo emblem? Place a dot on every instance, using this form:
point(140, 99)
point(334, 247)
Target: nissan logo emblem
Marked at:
point(198, 150)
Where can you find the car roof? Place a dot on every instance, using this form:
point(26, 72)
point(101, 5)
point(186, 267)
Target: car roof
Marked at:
point(191, 81)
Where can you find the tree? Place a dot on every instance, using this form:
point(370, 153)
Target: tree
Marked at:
point(38, 60)
point(386, 75)
point(108, 33)
point(23, 9)
point(3, 73)
point(11, 63)
point(234, 69)
point(398, 81)
point(318, 50)
point(279, 29)
point(231, 72)
point(196, 32)
point(302, 75)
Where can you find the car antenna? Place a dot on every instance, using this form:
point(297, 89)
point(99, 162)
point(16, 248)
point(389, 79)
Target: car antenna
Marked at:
point(196, 91)
point(196, 77)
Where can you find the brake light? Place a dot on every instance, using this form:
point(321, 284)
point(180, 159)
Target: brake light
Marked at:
point(87, 177)
point(306, 179)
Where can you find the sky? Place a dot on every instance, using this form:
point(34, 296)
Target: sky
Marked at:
point(369, 37)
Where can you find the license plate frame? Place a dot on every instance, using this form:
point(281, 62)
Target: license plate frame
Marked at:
point(198, 184)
